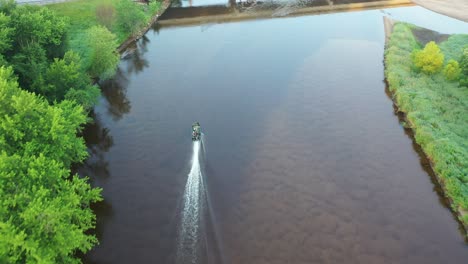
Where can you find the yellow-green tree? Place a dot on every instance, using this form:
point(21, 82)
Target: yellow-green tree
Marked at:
point(429, 60)
point(452, 70)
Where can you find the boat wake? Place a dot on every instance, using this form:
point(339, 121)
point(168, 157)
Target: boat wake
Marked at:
point(198, 238)
point(190, 236)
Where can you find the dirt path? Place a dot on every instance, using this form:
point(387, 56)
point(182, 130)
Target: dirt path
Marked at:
point(454, 8)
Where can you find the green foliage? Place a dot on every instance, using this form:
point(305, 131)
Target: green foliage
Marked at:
point(101, 58)
point(6, 6)
point(453, 47)
point(435, 110)
point(6, 33)
point(452, 70)
point(44, 214)
point(154, 6)
point(130, 17)
point(29, 63)
point(84, 14)
point(464, 68)
point(86, 97)
point(65, 79)
point(39, 25)
point(430, 59)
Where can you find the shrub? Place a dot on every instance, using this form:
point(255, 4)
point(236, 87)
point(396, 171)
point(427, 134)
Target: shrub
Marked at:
point(452, 70)
point(100, 56)
point(65, 79)
point(130, 16)
point(464, 68)
point(430, 59)
point(105, 14)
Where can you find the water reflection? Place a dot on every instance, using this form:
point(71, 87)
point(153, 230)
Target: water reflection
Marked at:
point(136, 61)
point(99, 141)
point(115, 92)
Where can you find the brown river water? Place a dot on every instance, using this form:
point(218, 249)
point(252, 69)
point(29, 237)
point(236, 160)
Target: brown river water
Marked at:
point(303, 157)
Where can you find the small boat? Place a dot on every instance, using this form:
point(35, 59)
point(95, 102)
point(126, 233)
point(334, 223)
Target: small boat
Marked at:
point(196, 133)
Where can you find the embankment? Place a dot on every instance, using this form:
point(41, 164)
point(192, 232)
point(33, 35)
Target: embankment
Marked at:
point(434, 108)
point(145, 29)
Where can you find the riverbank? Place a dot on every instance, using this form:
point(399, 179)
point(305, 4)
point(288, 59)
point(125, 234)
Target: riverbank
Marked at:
point(453, 8)
point(84, 14)
point(434, 108)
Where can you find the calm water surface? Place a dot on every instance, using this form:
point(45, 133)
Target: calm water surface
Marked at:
point(304, 159)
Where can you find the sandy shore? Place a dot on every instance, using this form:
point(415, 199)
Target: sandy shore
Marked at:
point(454, 8)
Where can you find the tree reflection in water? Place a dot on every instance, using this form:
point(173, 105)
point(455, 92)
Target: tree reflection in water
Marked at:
point(115, 92)
point(135, 60)
point(99, 141)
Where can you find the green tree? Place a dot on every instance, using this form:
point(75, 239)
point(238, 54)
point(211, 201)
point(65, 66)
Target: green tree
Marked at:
point(430, 59)
point(452, 70)
point(39, 25)
point(65, 79)
point(464, 68)
point(30, 63)
point(6, 33)
point(6, 6)
point(130, 16)
point(100, 56)
point(44, 213)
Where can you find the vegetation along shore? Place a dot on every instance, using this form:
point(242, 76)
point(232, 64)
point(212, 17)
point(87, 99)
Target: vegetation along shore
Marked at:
point(49, 57)
point(427, 74)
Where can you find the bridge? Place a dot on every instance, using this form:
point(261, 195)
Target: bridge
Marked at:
point(232, 10)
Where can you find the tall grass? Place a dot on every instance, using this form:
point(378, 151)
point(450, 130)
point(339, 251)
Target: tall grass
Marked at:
point(436, 110)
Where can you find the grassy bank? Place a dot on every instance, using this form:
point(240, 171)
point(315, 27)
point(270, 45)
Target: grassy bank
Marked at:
point(435, 108)
point(122, 18)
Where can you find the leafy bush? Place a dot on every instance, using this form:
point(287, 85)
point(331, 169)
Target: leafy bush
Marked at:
point(130, 16)
point(44, 213)
point(430, 59)
point(452, 70)
point(29, 63)
point(65, 77)
point(6, 6)
point(464, 68)
point(39, 25)
point(100, 56)
point(105, 14)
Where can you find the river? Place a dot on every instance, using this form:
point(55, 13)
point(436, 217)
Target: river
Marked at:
point(304, 159)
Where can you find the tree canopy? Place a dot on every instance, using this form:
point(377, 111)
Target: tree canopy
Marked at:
point(43, 212)
point(430, 60)
point(101, 58)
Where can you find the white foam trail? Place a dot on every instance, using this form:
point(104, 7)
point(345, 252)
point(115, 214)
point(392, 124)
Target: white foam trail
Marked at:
point(192, 212)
